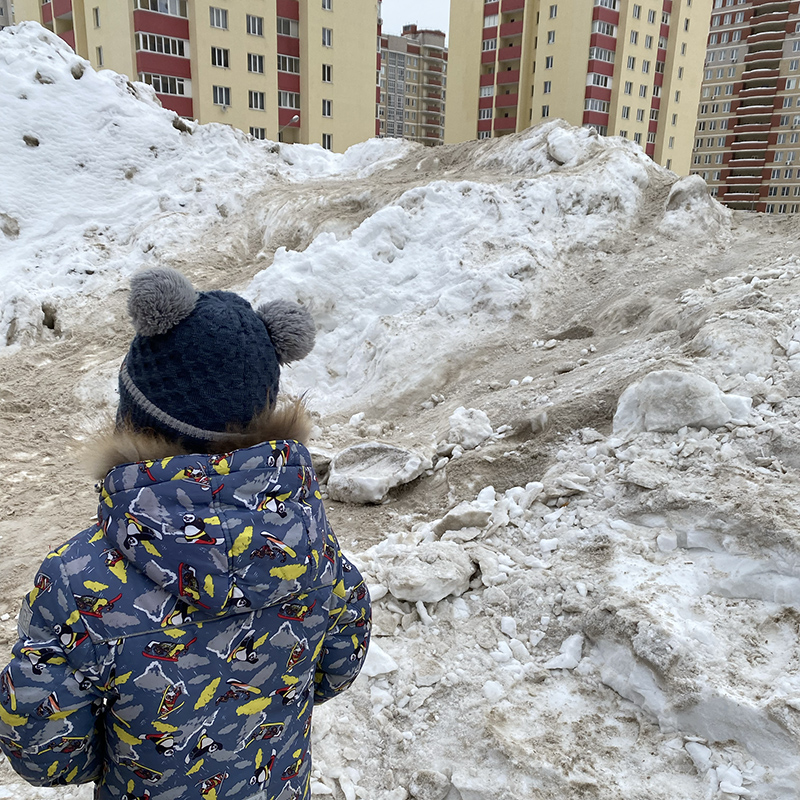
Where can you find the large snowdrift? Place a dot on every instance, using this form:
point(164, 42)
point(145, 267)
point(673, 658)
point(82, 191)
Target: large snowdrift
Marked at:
point(593, 587)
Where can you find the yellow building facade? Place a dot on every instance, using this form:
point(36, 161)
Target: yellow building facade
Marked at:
point(627, 69)
point(296, 70)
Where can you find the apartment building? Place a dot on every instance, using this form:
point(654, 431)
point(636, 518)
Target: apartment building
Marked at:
point(413, 86)
point(5, 14)
point(278, 69)
point(627, 69)
point(748, 126)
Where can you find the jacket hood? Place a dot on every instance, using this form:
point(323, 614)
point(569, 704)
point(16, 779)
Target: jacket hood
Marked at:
point(224, 533)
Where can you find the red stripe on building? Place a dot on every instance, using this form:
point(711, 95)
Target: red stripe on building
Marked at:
point(601, 40)
point(164, 24)
point(160, 64)
point(598, 93)
point(61, 7)
point(289, 46)
point(601, 67)
point(285, 115)
point(47, 12)
point(605, 15)
point(180, 105)
point(290, 9)
point(288, 82)
point(69, 38)
point(491, 8)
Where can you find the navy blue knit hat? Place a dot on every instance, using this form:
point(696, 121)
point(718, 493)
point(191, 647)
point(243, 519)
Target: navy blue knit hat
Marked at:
point(203, 363)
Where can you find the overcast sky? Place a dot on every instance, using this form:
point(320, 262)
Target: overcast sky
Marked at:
point(425, 13)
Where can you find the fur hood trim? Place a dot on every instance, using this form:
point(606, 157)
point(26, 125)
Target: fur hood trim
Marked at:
point(290, 420)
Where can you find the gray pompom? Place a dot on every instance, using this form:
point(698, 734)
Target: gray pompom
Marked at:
point(290, 327)
point(160, 298)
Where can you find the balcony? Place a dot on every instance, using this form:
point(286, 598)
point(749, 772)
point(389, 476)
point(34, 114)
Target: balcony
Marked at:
point(507, 76)
point(505, 124)
point(487, 79)
point(740, 163)
point(506, 101)
point(488, 56)
point(511, 28)
point(758, 91)
point(751, 127)
point(512, 5)
point(62, 8)
point(513, 53)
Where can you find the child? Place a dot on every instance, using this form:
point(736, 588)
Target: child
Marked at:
point(176, 648)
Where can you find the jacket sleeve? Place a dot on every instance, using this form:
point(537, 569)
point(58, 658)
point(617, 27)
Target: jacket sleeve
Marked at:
point(347, 639)
point(48, 724)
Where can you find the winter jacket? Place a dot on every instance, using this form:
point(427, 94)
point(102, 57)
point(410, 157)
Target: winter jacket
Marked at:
point(176, 649)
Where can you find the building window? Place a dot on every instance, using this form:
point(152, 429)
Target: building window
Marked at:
point(686, 24)
point(637, 11)
point(255, 100)
point(669, 163)
point(637, 137)
point(674, 119)
point(484, 113)
point(489, 44)
point(327, 41)
point(651, 138)
point(99, 56)
point(547, 86)
point(640, 115)
point(545, 111)
point(628, 87)
point(645, 65)
point(219, 18)
point(623, 134)
point(642, 90)
point(288, 27)
point(631, 62)
point(606, 28)
point(551, 37)
point(255, 25)
point(487, 91)
point(288, 100)
point(161, 44)
point(648, 42)
point(484, 134)
point(96, 16)
point(327, 73)
point(601, 54)
point(289, 64)
point(491, 21)
point(593, 104)
point(327, 5)
point(548, 62)
point(327, 108)
point(222, 96)
point(596, 79)
point(327, 141)
point(164, 84)
point(651, 16)
point(677, 97)
point(634, 37)
point(220, 57)
point(683, 48)
point(671, 142)
point(255, 63)
point(258, 133)
point(553, 11)
point(175, 8)
point(626, 112)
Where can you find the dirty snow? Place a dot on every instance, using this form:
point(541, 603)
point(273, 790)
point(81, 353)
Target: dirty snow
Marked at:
point(567, 603)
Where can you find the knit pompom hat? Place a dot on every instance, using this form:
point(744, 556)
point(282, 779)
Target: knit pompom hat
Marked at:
point(204, 363)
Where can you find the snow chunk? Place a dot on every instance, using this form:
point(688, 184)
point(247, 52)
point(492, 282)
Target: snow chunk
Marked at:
point(429, 572)
point(365, 473)
point(493, 691)
point(469, 427)
point(570, 655)
point(378, 661)
point(667, 400)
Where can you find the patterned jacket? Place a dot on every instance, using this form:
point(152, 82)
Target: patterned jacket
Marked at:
point(177, 648)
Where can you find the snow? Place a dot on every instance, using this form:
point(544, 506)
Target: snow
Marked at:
point(582, 551)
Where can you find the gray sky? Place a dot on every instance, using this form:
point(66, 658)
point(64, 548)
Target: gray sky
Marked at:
point(425, 13)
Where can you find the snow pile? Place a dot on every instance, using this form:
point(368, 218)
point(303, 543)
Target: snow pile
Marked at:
point(454, 276)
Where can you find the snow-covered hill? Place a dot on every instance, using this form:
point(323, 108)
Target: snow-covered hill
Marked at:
point(578, 597)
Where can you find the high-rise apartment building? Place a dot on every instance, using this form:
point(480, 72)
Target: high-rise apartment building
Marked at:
point(748, 126)
point(5, 13)
point(627, 69)
point(298, 71)
point(413, 85)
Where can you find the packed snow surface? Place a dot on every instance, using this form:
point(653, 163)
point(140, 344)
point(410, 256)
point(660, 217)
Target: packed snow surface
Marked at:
point(556, 391)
